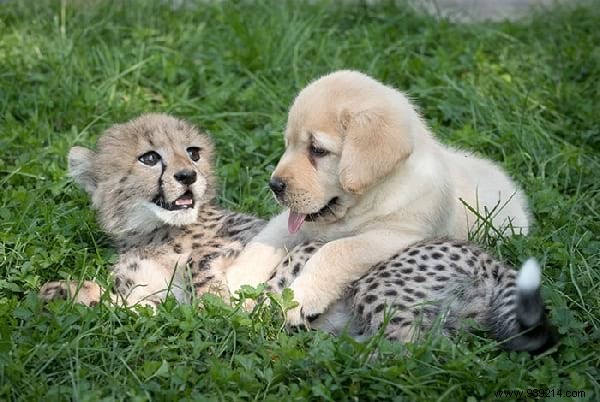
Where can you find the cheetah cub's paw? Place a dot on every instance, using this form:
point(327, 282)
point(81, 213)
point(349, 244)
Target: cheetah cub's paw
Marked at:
point(88, 293)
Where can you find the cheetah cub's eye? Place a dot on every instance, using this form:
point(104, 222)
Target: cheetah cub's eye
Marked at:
point(194, 153)
point(149, 158)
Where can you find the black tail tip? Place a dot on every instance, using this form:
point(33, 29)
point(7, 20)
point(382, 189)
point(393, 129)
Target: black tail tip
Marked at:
point(535, 340)
point(551, 338)
point(537, 334)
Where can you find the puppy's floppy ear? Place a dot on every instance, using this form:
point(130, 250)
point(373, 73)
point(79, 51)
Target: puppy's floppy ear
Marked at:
point(81, 168)
point(375, 142)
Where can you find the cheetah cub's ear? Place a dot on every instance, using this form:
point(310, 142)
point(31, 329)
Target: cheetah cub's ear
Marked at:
point(81, 168)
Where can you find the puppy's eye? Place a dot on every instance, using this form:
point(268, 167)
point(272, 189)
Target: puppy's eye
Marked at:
point(316, 151)
point(149, 158)
point(194, 153)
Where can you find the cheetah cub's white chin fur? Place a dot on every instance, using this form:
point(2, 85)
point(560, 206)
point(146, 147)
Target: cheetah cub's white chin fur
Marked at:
point(173, 218)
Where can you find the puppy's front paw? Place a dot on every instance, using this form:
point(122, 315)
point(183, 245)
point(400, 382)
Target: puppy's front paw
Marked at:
point(237, 275)
point(88, 293)
point(310, 306)
point(249, 305)
point(295, 318)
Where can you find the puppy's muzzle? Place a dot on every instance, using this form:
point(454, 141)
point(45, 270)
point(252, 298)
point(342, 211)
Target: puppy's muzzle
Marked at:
point(277, 186)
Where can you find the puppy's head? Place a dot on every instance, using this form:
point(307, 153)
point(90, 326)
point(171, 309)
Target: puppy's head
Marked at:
point(345, 133)
point(150, 171)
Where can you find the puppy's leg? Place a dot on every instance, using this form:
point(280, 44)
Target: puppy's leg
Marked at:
point(262, 255)
point(337, 265)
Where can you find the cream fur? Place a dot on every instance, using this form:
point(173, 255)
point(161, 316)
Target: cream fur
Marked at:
point(396, 184)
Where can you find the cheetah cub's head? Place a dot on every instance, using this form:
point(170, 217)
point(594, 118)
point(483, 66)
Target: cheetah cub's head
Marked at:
point(151, 171)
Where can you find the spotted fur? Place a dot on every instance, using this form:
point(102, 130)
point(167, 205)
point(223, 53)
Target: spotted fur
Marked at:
point(442, 283)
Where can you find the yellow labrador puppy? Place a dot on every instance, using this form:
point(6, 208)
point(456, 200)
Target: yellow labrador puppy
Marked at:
point(362, 172)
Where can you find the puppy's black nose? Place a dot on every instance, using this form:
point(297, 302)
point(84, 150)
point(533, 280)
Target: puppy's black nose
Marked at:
point(186, 177)
point(277, 185)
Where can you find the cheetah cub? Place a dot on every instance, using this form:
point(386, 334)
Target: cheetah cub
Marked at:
point(436, 283)
point(151, 181)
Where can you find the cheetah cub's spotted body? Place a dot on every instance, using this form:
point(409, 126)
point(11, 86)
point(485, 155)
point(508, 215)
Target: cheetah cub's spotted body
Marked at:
point(449, 281)
point(151, 181)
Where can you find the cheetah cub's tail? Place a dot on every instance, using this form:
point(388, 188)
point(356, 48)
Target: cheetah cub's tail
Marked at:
point(528, 328)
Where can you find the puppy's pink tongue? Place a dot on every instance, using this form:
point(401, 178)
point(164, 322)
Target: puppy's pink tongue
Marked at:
point(295, 222)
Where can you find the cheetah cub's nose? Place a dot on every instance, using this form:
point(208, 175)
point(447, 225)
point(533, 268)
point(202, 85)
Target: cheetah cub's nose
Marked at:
point(186, 177)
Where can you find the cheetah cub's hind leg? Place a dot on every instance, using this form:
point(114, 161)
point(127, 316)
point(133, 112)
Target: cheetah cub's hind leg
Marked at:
point(448, 283)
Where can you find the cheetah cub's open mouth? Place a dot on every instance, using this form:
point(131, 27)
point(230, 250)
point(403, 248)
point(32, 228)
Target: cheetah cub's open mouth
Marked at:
point(185, 201)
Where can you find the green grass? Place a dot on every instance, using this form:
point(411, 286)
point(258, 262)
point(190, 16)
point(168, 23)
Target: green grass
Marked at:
point(524, 94)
